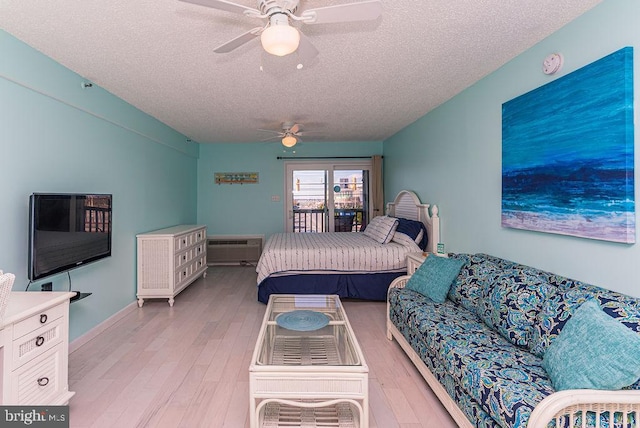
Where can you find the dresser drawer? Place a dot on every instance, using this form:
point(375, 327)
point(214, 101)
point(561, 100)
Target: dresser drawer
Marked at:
point(183, 241)
point(183, 258)
point(198, 250)
point(183, 274)
point(39, 320)
point(39, 382)
point(198, 264)
point(198, 236)
point(38, 341)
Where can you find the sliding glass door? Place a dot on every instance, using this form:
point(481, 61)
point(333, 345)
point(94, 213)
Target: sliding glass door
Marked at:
point(327, 196)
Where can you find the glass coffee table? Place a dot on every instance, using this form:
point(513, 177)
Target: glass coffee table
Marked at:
point(307, 368)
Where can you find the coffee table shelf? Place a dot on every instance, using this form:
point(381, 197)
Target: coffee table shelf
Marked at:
point(305, 351)
point(340, 415)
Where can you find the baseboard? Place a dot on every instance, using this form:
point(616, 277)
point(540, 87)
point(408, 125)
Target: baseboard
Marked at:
point(91, 334)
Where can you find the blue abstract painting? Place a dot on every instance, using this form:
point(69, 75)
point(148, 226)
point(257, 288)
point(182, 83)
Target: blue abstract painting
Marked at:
point(567, 154)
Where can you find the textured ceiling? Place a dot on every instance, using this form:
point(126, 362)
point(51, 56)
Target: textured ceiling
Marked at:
point(369, 80)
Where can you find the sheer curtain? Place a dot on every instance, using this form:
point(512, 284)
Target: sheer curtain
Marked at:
point(377, 186)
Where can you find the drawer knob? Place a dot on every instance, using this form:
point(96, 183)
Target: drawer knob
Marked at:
point(43, 318)
point(39, 340)
point(43, 381)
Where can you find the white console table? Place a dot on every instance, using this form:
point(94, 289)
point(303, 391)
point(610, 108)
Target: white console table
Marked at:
point(34, 349)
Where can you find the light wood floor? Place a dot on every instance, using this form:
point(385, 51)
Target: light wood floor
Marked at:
point(187, 366)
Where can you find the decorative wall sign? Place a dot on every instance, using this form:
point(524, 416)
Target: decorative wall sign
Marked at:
point(567, 154)
point(236, 177)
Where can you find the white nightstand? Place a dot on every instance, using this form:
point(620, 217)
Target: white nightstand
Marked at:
point(34, 349)
point(414, 260)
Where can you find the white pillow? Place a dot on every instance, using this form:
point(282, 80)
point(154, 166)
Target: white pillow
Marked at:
point(405, 240)
point(381, 229)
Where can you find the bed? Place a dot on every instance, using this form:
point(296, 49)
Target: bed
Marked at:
point(358, 265)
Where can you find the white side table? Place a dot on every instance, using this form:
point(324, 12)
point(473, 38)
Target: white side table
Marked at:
point(34, 349)
point(414, 260)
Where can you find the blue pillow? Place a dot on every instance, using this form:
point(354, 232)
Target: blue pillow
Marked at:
point(434, 277)
point(593, 351)
point(412, 228)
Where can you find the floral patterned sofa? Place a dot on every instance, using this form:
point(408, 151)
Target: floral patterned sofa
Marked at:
point(482, 350)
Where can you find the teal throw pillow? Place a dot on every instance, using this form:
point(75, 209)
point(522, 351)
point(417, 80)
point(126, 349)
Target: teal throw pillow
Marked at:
point(434, 277)
point(593, 351)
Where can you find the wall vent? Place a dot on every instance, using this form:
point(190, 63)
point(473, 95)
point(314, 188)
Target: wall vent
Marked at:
point(227, 250)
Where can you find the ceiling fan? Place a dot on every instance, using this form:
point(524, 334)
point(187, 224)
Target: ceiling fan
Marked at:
point(289, 136)
point(277, 35)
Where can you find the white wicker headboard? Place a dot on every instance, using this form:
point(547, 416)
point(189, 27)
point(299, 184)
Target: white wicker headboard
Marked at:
point(408, 205)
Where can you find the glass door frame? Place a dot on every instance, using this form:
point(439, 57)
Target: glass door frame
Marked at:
point(329, 166)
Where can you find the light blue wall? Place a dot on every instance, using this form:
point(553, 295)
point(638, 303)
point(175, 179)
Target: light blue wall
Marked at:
point(57, 137)
point(231, 209)
point(452, 156)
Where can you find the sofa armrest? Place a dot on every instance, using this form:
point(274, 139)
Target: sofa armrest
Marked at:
point(574, 403)
point(399, 282)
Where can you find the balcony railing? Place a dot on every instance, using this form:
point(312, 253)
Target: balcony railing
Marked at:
point(97, 219)
point(314, 220)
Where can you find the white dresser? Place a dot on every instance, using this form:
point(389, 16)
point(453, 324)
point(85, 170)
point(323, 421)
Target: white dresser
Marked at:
point(34, 349)
point(169, 260)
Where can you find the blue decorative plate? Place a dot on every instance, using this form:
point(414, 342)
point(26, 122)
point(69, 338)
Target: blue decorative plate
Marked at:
point(302, 320)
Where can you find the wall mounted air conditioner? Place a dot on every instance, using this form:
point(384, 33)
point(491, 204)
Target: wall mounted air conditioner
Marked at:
point(234, 249)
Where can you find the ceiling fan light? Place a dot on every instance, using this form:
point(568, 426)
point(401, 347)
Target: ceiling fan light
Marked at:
point(280, 40)
point(289, 141)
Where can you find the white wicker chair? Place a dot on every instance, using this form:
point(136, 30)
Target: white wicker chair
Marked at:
point(6, 282)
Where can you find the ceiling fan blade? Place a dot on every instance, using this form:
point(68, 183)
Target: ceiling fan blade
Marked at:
point(306, 50)
point(363, 11)
point(224, 5)
point(290, 5)
point(280, 133)
point(238, 41)
point(277, 137)
point(295, 128)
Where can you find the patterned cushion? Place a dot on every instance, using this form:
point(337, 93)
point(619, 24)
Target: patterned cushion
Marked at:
point(507, 382)
point(476, 274)
point(466, 403)
point(381, 229)
point(559, 307)
point(612, 360)
point(434, 277)
point(510, 304)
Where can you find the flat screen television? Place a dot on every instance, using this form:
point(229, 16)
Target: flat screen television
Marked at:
point(67, 231)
